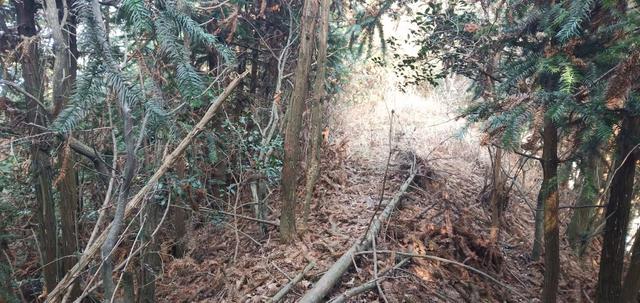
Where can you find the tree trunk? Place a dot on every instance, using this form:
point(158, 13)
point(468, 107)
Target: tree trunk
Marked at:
point(579, 227)
point(41, 171)
point(130, 162)
point(539, 226)
point(7, 278)
point(290, 167)
point(617, 214)
point(40, 161)
point(128, 288)
point(550, 198)
point(313, 169)
point(151, 261)
point(67, 208)
point(497, 196)
point(64, 73)
point(179, 215)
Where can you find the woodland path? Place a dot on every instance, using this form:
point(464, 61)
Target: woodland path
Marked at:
point(443, 214)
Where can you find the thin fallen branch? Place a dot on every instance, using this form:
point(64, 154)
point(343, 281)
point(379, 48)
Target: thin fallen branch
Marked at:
point(369, 285)
point(274, 223)
point(90, 252)
point(333, 274)
point(283, 291)
point(449, 261)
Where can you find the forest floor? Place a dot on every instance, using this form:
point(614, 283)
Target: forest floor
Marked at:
point(443, 214)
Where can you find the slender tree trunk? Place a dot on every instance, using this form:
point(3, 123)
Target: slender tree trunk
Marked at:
point(290, 167)
point(67, 208)
point(579, 226)
point(179, 214)
point(536, 251)
point(497, 196)
point(7, 279)
point(128, 287)
point(631, 284)
point(151, 261)
point(130, 162)
point(64, 73)
point(41, 169)
point(551, 229)
point(617, 213)
point(313, 169)
point(260, 208)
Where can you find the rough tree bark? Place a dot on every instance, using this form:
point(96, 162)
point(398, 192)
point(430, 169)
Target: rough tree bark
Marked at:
point(498, 191)
point(41, 169)
point(319, 92)
point(617, 213)
point(536, 250)
point(179, 215)
point(293, 129)
point(62, 22)
point(550, 198)
point(151, 261)
point(621, 188)
point(67, 208)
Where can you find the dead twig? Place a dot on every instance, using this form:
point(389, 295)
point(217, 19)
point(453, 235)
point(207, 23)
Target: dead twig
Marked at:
point(283, 291)
point(274, 223)
point(371, 284)
point(448, 261)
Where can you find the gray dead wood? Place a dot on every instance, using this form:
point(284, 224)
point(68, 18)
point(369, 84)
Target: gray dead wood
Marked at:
point(369, 285)
point(283, 291)
point(333, 274)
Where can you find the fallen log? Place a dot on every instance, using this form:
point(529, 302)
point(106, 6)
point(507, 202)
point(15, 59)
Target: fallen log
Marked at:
point(447, 261)
point(369, 285)
point(283, 291)
point(56, 294)
point(333, 274)
point(274, 223)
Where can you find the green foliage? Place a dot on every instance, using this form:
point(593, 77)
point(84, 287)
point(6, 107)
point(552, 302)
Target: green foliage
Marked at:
point(572, 21)
point(88, 93)
point(129, 95)
point(138, 16)
point(444, 43)
point(515, 71)
point(246, 140)
point(11, 190)
point(169, 27)
point(551, 60)
point(197, 35)
point(367, 28)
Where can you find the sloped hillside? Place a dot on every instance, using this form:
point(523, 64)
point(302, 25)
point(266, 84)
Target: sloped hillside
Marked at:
point(444, 214)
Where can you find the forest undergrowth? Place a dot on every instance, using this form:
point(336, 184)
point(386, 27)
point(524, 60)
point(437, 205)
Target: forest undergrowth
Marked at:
point(445, 214)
